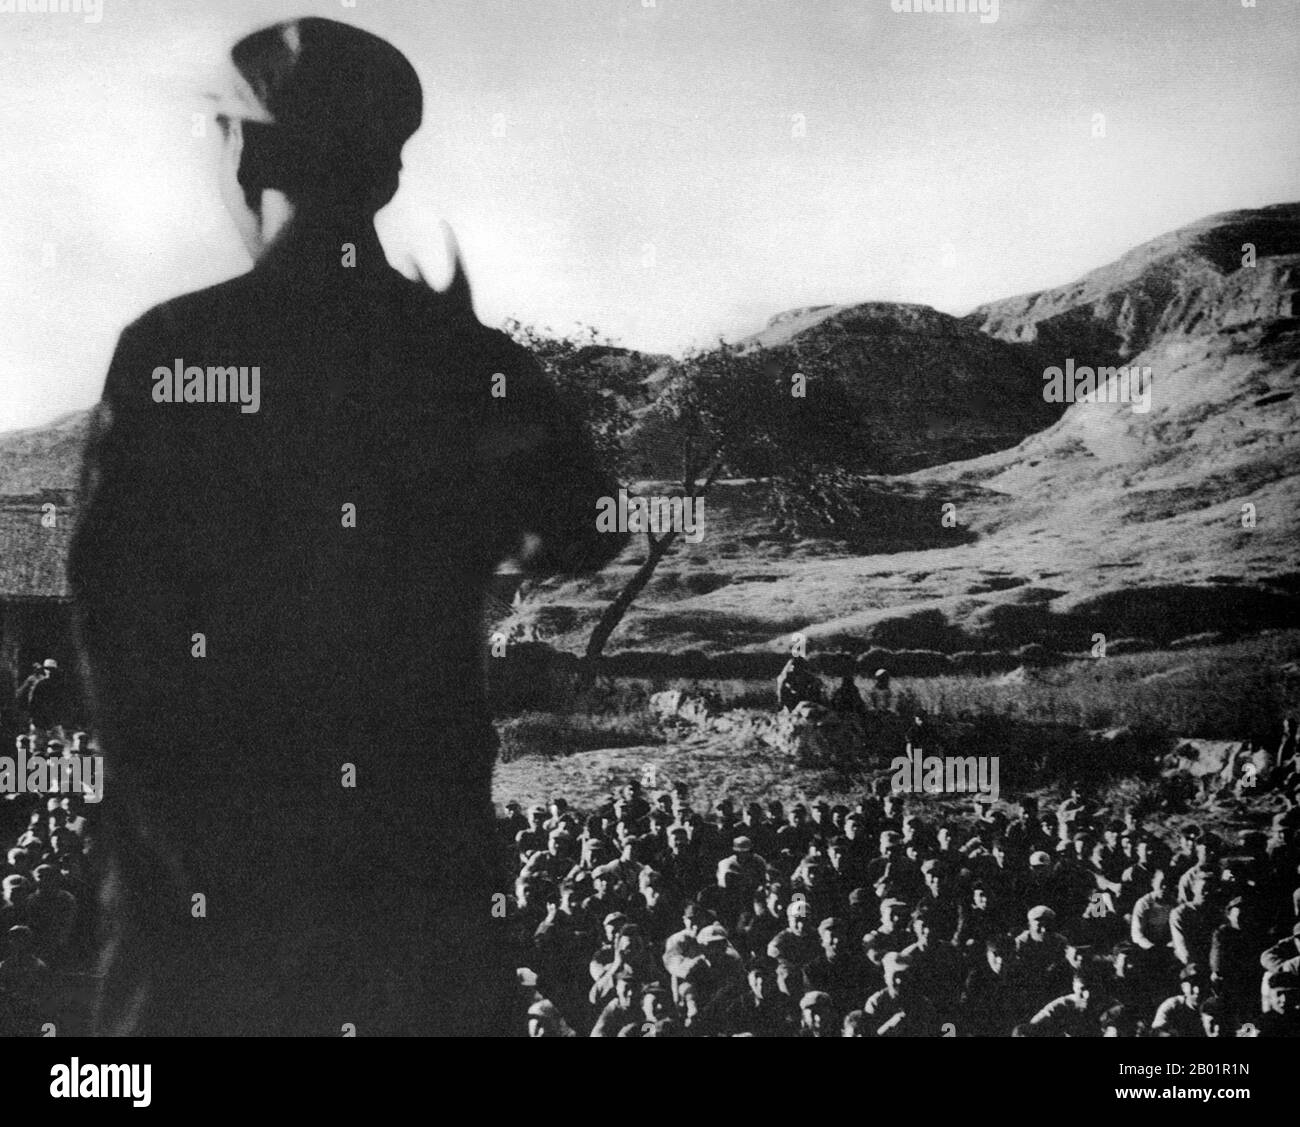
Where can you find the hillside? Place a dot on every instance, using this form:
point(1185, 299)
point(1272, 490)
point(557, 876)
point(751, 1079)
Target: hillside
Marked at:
point(1106, 520)
point(47, 457)
point(1190, 283)
point(1069, 520)
point(924, 387)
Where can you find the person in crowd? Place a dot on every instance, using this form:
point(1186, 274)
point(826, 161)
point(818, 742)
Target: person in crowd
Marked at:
point(1180, 1016)
point(1076, 1014)
point(797, 945)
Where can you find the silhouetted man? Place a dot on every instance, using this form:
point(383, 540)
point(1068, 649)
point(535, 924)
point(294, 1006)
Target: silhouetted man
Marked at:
point(23, 697)
point(297, 488)
point(47, 701)
point(847, 700)
point(797, 683)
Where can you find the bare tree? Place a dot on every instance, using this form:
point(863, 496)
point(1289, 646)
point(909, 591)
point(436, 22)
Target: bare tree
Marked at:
point(751, 414)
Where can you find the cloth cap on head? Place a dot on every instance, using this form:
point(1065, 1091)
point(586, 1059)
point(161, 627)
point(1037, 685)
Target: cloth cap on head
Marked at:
point(813, 999)
point(742, 845)
point(1042, 912)
point(310, 72)
point(832, 923)
point(1038, 858)
point(49, 663)
point(714, 933)
point(614, 918)
point(322, 100)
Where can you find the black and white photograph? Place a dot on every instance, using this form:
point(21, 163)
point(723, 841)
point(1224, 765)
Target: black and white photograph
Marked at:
point(707, 519)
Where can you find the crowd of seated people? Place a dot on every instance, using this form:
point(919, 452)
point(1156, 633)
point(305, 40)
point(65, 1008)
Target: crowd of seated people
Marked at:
point(46, 899)
point(898, 918)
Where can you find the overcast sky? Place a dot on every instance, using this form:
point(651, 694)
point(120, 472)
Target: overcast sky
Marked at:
point(666, 170)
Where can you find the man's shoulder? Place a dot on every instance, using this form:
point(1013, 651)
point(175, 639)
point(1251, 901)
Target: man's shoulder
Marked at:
point(251, 302)
point(175, 314)
point(164, 333)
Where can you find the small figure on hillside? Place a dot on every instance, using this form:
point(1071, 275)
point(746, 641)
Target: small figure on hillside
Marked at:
point(881, 696)
point(47, 700)
point(796, 683)
point(918, 732)
point(847, 699)
point(1075, 809)
point(23, 697)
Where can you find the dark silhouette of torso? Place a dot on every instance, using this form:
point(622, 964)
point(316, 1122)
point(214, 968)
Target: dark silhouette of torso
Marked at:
point(335, 642)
